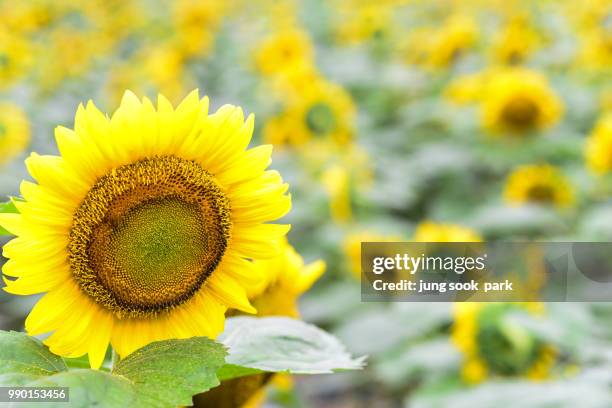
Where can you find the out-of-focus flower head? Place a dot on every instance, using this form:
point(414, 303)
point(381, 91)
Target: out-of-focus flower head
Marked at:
point(112, 20)
point(496, 345)
point(288, 277)
point(14, 131)
point(323, 110)
point(598, 149)
point(163, 69)
point(539, 184)
point(594, 27)
point(516, 41)
point(429, 231)
point(15, 56)
point(336, 180)
point(519, 101)
point(196, 23)
point(28, 16)
point(441, 47)
point(359, 22)
point(352, 247)
point(69, 54)
point(470, 88)
point(287, 49)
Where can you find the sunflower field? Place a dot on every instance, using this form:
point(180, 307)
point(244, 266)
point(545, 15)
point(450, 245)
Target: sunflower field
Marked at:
point(185, 188)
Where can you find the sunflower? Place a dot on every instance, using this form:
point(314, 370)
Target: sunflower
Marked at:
point(352, 247)
point(196, 23)
point(287, 278)
point(598, 149)
point(70, 53)
point(515, 42)
point(440, 47)
point(436, 232)
point(14, 131)
point(145, 227)
point(27, 17)
point(323, 111)
point(467, 88)
point(595, 32)
point(541, 184)
point(358, 23)
point(15, 57)
point(284, 50)
point(493, 344)
point(164, 67)
point(519, 101)
point(336, 180)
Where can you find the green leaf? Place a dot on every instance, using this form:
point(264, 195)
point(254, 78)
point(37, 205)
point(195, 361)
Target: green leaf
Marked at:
point(8, 207)
point(89, 388)
point(279, 344)
point(161, 374)
point(229, 371)
point(21, 354)
point(173, 371)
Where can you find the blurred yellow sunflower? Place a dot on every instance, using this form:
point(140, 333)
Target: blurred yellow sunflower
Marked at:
point(540, 184)
point(336, 180)
point(69, 54)
point(495, 345)
point(598, 149)
point(466, 89)
point(358, 23)
point(145, 227)
point(352, 247)
point(324, 111)
point(14, 131)
point(163, 66)
point(519, 101)
point(441, 46)
point(15, 57)
point(29, 16)
point(451, 41)
point(196, 23)
point(515, 42)
point(284, 50)
point(287, 277)
point(437, 232)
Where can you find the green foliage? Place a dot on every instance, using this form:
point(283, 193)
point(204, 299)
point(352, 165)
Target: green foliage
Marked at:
point(161, 374)
point(20, 354)
point(8, 207)
point(168, 373)
point(173, 370)
point(279, 344)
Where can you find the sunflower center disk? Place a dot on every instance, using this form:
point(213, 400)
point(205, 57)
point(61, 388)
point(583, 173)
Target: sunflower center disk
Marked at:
point(148, 235)
point(521, 114)
point(541, 194)
point(320, 119)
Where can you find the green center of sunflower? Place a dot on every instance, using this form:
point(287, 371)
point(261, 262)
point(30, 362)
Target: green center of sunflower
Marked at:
point(507, 348)
point(148, 235)
point(521, 114)
point(3, 130)
point(320, 119)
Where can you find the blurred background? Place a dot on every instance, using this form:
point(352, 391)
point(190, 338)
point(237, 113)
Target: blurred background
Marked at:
point(392, 120)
